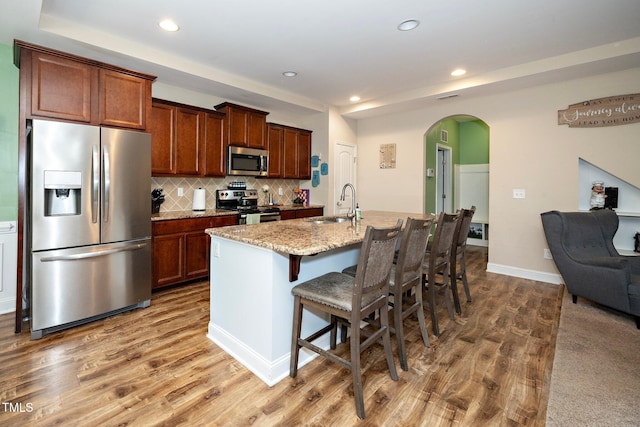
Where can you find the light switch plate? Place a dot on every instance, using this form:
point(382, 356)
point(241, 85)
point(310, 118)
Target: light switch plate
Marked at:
point(518, 193)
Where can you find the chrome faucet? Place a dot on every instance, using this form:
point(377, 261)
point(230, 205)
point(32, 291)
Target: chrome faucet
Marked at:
point(352, 210)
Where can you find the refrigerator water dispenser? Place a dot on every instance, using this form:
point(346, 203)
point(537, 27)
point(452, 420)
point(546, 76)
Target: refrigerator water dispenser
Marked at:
point(62, 193)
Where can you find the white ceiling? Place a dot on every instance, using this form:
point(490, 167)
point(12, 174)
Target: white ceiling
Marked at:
point(238, 49)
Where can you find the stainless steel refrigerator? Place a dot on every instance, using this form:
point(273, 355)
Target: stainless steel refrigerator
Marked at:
point(89, 233)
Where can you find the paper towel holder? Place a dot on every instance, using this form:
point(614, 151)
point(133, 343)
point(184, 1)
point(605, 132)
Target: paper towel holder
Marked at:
point(199, 204)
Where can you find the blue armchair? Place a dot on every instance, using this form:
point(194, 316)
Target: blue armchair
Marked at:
point(581, 244)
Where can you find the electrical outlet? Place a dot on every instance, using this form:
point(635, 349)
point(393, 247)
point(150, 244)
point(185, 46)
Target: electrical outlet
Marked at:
point(180, 191)
point(216, 249)
point(280, 192)
point(547, 254)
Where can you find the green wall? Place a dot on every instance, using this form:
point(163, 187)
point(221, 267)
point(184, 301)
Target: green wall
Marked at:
point(469, 143)
point(474, 143)
point(9, 118)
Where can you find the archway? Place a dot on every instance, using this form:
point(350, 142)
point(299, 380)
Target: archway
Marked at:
point(463, 141)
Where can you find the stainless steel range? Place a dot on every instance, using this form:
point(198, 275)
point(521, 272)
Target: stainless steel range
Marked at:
point(245, 202)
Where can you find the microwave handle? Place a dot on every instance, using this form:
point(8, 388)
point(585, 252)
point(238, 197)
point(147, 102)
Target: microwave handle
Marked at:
point(264, 163)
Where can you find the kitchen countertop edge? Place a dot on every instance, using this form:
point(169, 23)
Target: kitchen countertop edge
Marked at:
point(188, 214)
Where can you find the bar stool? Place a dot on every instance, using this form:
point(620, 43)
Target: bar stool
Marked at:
point(458, 256)
point(350, 300)
point(436, 264)
point(405, 285)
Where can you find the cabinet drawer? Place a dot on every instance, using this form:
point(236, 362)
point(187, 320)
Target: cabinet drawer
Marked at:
point(181, 225)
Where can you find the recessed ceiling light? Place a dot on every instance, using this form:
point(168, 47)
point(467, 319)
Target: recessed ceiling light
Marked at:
point(354, 98)
point(408, 25)
point(168, 25)
point(458, 72)
point(289, 74)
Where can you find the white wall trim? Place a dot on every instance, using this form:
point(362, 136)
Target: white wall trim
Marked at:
point(7, 305)
point(524, 273)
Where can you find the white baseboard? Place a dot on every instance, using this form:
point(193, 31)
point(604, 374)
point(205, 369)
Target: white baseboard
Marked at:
point(525, 273)
point(270, 372)
point(7, 305)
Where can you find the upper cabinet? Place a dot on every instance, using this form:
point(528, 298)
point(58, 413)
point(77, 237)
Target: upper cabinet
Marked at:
point(71, 88)
point(186, 140)
point(244, 126)
point(289, 152)
point(297, 154)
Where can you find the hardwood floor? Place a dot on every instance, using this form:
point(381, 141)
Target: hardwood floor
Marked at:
point(155, 366)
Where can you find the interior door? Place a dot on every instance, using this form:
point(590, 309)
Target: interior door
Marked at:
point(345, 161)
point(444, 199)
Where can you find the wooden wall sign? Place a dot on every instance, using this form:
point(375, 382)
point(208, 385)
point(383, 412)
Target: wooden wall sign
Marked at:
point(611, 111)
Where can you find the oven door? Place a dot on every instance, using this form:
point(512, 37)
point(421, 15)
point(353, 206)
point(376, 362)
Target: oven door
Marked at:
point(258, 217)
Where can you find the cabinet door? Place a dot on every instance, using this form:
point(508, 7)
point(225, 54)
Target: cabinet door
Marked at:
point(168, 259)
point(213, 150)
point(187, 141)
point(257, 127)
point(162, 132)
point(304, 155)
point(306, 213)
point(224, 220)
point(238, 126)
point(290, 163)
point(287, 215)
point(275, 138)
point(123, 100)
point(61, 88)
point(197, 254)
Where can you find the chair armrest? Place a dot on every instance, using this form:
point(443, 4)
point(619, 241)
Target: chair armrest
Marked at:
point(617, 263)
point(634, 263)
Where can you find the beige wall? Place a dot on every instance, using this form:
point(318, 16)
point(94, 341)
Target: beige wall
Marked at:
point(528, 149)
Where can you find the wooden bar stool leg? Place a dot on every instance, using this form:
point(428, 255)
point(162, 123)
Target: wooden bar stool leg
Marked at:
point(295, 334)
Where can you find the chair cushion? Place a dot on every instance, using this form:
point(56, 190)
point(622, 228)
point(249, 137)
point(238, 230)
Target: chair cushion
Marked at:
point(331, 289)
point(351, 271)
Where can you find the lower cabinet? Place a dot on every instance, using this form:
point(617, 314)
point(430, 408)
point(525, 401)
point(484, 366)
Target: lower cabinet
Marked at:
point(181, 249)
point(301, 213)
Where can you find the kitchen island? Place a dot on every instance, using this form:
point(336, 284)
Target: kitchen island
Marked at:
point(254, 267)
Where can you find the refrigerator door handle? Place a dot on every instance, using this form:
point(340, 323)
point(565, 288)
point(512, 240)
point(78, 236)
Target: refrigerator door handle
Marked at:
point(85, 255)
point(95, 184)
point(107, 185)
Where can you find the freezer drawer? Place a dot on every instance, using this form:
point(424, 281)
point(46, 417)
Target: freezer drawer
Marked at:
point(70, 285)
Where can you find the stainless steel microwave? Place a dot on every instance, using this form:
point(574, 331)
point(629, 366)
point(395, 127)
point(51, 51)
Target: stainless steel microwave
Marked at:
point(247, 161)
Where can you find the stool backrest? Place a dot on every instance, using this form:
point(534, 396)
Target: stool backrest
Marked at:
point(413, 245)
point(374, 265)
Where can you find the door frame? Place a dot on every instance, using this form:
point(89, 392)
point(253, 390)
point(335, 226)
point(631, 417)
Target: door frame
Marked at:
point(444, 177)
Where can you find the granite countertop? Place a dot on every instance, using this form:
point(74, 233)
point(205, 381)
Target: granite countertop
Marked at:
point(304, 236)
point(162, 216)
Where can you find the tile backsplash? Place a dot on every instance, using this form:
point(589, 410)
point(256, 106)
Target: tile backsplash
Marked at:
point(173, 202)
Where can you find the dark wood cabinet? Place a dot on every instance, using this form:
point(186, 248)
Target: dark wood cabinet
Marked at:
point(186, 140)
point(287, 214)
point(175, 139)
point(60, 88)
point(162, 129)
point(297, 153)
point(181, 248)
point(275, 144)
point(244, 126)
point(123, 100)
point(300, 213)
point(71, 88)
point(306, 213)
point(213, 162)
